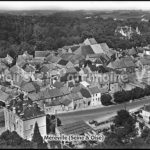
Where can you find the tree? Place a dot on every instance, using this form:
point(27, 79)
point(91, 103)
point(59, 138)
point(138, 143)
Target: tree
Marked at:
point(51, 123)
point(37, 138)
point(125, 125)
point(112, 140)
point(121, 118)
point(120, 97)
point(13, 140)
point(147, 90)
point(58, 122)
point(106, 99)
point(138, 93)
point(145, 133)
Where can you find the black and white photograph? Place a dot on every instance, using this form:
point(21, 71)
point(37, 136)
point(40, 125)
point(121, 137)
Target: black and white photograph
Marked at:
point(74, 74)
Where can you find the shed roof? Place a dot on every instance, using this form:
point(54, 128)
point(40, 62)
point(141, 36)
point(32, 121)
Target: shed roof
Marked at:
point(41, 53)
point(78, 128)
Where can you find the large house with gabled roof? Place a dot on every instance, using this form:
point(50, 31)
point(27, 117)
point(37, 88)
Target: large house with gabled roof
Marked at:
point(90, 41)
point(21, 116)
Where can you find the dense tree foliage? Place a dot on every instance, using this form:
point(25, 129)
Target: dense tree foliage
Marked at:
point(13, 140)
point(121, 134)
point(19, 33)
point(136, 93)
point(125, 125)
point(37, 138)
point(51, 123)
point(122, 96)
point(106, 99)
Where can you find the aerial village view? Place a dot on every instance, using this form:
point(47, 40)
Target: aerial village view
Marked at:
point(74, 79)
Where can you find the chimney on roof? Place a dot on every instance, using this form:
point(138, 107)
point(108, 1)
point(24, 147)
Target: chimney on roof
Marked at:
point(7, 105)
point(21, 114)
point(13, 102)
point(24, 106)
point(25, 98)
point(14, 110)
point(35, 104)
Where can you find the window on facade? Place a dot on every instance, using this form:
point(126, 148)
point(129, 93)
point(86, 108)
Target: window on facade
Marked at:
point(14, 127)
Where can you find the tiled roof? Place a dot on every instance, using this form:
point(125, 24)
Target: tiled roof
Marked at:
point(76, 96)
point(3, 66)
point(97, 49)
point(140, 49)
point(14, 69)
point(145, 61)
point(66, 47)
point(92, 41)
point(64, 90)
point(63, 62)
point(55, 102)
point(29, 111)
point(34, 96)
point(27, 55)
point(102, 90)
point(66, 102)
point(45, 94)
point(19, 81)
point(104, 58)
point(132, 51)
point(85, 70)
point(75, 47)
point(52, 58)
point(32, 112)
point(94, 55)
point(8, 57)
point(122, 63)
point(104, 46)
point(29, 68)
point(3, 96)
point(76, 89)
point(55, 93)
point(129, 62)
point(58, 84)
point(21, 61)
point(94, 90)
point(35, 61)
point(75, 128)
point(47, 67)
point(41, 53)
point(28, 87)
point(71, 70)
point(100, 58)
point(85, 93)
point(107, 50)
point(84, 50)
point(67, 56)
point(75, 59)
point(44, 69)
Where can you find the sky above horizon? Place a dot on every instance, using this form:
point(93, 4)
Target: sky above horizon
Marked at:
point(74, 5)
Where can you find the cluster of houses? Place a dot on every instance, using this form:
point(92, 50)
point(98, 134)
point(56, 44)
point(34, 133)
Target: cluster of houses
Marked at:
point(126, 32)
point(71, 78)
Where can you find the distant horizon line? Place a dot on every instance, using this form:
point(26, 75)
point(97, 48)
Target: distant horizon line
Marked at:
point(61, 9)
